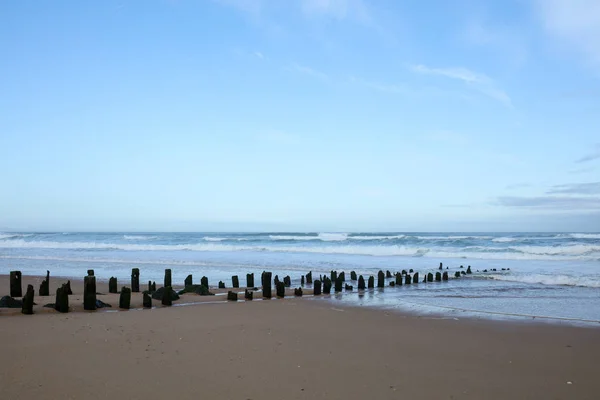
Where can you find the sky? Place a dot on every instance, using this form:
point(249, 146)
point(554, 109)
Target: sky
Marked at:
point(300, 115)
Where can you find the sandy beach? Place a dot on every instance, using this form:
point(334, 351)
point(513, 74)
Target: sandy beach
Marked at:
point(307, 348)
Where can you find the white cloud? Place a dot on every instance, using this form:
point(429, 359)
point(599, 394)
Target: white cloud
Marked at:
point(576, 22)
point(480, 82)
point(259, 55)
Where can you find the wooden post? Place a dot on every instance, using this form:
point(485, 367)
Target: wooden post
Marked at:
point(167, 278)
point(266, 284)
point(147, 300)
point(61, 303)
point(416, 277)
point(153, 287)
point(430, 277)
point(352, 275)
point(380, 279)
point(15, 284)
point(469, 270)
point(248, 294)
point(221, 285)
point(361, 283)
point(68, 288)
point(166, 299)
point(45, 286)
point(298, 292)
point(90, 272)
point(348, 287)
point(309, 278)
point(457, 274)
point(441, 266)
point(317, 288)
point(235, 282)
point(342, 276)
point(371, 282)
point(204, 281)
point(27, 308)
point(327, 286)
point(287, 281)
point(250, 280)
point(125, 298)
point(333, 276)
point(232, 296)
point(112, 285)
point(339, 283)
point(438, 277)
point(135, 280)
point(398, 279)
point(280, 287)
point(388, 274)
point(408, 279)
point(445, 276)
point(302, 280)
point(89, 293)
point(189, 281)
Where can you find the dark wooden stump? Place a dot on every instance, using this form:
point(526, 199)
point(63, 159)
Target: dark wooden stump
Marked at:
point(309, 278)
point(469, 269)
point(445, 276)
point(352, 275)
point(327, 286)
point(135, 280)
point(248, 295)
point(333, 276)
point(380, 279)
point(410, 271)
point(28, 301)
point(287, 281)
point(317, 288)
point(15, 284)
point(371, 282)
point(112, 285)
point(457, 274)
point(266, 284)
point(441, 266)
point(302, 280)
point(348, 287)
point(342, 276)
point(392, 283)
point(89, 293)
point(298, 292)
point(361, 283)
point(204, 281)
point(153, 288)
point(250, 280)
point(235, 281)
point(404, 272)
point(408, 279)
point(438, 277)
point(232, 296)
point(90, 272)
point(147, 300)
point(430, 277)
point(221, 285)
point(61, 303)
point(68, 288)
point(189, 281)
point(398, 279)
point(388, 274)
point(338, 284)
point(415, 278)
point(125, 298)
point(280, 287)
point(45, 286)
point(167, 281)
point(167, 300)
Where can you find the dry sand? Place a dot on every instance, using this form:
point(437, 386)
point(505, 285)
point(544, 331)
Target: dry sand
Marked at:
point(288, 349)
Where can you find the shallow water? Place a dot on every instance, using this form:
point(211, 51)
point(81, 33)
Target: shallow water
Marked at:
point(551, 275)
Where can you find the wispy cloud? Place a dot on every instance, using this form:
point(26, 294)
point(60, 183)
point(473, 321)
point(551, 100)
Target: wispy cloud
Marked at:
point(575, 22)
point(576, 188)
point(594, 155)
point(302, 69)
point(550, 202)
point(258, 54)
point(480, 82)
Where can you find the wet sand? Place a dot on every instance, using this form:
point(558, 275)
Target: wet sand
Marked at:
point(307, 348)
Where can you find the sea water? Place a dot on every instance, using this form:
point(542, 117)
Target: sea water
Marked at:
point(552, 276)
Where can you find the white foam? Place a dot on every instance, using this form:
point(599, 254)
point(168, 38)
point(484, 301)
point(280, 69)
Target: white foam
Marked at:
point(138, 237)
point(505, 240)
point(451, 237)
point(213, 239)
point(585, 235)
point(574, 249)
point(13, 235)
point(555, 279)
point(377, 237)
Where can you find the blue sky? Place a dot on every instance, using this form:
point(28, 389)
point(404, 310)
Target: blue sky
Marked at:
point(300, 115)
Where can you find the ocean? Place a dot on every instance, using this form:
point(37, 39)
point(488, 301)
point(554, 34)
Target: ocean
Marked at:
point(552, 277)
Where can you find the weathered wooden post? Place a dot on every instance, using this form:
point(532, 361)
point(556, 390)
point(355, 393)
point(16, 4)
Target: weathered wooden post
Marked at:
point(398, 279)
point(153, 288)
point(68, 288)
point(438, 277)
point(147, 300)
point(90, 272)
point(429, 277)
point(250, 280)
point(404, 272)
point(280, 287)
point(408, 279)
point(15, 284)
point(287, 281)
point(135, 280)
point(327, 286)
point(167, 278)
point(302, 280)
point(89, 293)
point(361, 283)
point(125, 298)
point(61, 303)
point(266, 284)
point(235, 281)
point(309, 278)
point(27, 307)
point(248, 294)
point(388, 274)
point(342, 276)
point(204, 281)
point(380, 279)
point(338, 284)
point(469, 270)
point(445, 276)
point(371, 282)
point(392, 283)
point(317, 288)
point(167, 299)
point(45, 286)
point(232, 296)
point(189, 281)
point(457, 274)
point(298, 292)
point(221, 285)
point(352, 275)
point(112, 285)
point(440, 266)
point(333, 276)
point(348, 287)
point(415, 277)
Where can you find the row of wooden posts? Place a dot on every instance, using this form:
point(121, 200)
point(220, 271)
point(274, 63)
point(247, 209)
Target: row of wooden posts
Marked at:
point(323, 285)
